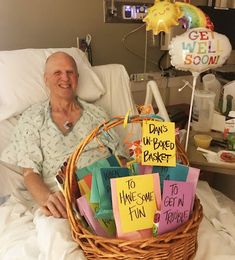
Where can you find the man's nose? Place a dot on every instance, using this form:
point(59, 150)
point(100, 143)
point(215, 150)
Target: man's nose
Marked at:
point(64, 76)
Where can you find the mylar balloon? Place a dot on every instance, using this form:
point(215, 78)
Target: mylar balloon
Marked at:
point(199, 49)
point(193, 17)
point(162, 16)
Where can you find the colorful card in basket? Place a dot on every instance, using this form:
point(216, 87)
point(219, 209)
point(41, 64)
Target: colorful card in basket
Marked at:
point(134, 202)
point(101, 227)
point(177, 173)
point(176, 205)
point(193, 175)
point(158, 143)
point(92, 169)
point(104, 189)
point(137, 168)
point(106, 162)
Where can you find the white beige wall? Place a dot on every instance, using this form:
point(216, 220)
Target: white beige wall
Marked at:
point(57, 23)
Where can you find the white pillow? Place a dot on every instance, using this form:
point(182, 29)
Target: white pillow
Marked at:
point(22, 84)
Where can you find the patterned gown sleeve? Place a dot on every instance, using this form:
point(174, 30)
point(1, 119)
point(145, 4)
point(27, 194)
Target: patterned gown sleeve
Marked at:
point(24, 149)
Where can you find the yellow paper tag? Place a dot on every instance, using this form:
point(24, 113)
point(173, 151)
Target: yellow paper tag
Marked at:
point(125, 122)
point(83, 187)
point(158, 143)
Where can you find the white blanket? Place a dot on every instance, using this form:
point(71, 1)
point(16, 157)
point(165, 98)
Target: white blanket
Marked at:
point(27, 237)
point(27, 234)
point(216, 235)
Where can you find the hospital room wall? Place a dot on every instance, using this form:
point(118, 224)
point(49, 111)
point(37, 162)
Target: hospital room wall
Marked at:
point(57, 23)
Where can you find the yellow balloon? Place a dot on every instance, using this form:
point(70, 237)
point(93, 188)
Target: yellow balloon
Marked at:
point(162, 16)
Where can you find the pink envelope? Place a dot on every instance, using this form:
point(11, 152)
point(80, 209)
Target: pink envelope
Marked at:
point(86, 211)
point(193, 175)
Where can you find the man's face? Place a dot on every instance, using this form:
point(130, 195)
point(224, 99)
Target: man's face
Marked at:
point(61, 76)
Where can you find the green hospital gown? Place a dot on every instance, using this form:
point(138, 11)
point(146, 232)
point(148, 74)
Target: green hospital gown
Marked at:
point(37, 142)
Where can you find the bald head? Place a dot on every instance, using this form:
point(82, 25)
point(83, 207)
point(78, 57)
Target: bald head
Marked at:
point(61, 75)
point(56, 56)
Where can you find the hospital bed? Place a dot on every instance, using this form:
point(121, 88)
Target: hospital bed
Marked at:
point(21, 75)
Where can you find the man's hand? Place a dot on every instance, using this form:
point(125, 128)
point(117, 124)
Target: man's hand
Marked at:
point(51, 203)
point(55, 205)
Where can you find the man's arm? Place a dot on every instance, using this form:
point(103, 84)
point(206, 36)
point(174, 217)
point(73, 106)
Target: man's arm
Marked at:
point(51, 203)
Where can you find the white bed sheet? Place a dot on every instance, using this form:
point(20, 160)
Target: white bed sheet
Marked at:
point(216, 234)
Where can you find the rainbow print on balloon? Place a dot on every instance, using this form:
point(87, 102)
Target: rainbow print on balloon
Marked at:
point(165, 14)
point(193, 17)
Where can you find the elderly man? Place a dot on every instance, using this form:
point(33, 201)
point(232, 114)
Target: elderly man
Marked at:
point(46, 135)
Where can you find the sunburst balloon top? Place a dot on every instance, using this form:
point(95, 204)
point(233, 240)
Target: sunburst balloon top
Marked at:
point(162, 16)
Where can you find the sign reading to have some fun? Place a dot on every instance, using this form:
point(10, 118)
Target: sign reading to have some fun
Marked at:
point(136, 203)
point(158, 143)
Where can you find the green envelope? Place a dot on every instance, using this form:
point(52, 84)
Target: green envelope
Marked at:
point(103, 177)
point(177, 173)
point(94, 169)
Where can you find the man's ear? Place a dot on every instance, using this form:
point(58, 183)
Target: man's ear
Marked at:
point(45, 78)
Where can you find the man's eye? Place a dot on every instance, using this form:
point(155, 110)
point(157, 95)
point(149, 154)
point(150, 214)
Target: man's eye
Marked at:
point(57, 73)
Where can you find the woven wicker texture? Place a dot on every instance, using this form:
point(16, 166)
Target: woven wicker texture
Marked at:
point(178, 244)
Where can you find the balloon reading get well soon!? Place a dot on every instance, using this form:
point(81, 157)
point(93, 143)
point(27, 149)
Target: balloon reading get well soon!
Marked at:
point(199, 49)
point(164, 14)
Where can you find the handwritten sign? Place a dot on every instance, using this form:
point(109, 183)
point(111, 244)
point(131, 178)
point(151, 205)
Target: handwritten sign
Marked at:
point(176, 205)
point(158, 143)
point(144, 233)
point(136, 201)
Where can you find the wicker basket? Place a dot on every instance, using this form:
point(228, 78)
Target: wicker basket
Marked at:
point(178, 244)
